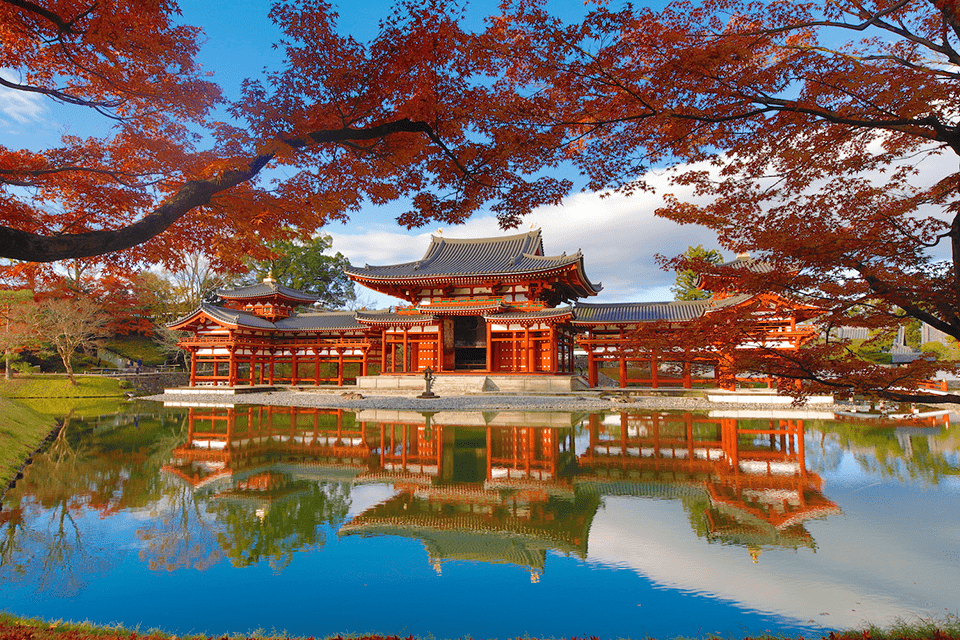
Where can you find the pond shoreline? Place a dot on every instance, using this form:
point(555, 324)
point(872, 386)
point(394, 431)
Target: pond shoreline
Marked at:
point(604, 401)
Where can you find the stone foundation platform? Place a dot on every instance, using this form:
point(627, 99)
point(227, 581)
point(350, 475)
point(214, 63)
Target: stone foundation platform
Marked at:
point(460, 384)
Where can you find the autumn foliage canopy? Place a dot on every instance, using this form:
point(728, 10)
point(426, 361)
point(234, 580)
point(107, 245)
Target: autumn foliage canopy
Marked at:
point(822, 137)
point(405, 116)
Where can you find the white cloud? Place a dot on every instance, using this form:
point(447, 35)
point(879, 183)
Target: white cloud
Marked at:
point(19, 106)
point(618, 235)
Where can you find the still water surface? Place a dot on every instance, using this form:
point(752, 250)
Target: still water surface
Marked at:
point(496, 524)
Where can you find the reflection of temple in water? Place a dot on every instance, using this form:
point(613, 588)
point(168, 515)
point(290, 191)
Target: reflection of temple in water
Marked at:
point(744, 482)
point(509, 487)
point(493, 487)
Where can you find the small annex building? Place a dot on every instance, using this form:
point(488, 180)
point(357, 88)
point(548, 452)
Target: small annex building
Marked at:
point(496, 306)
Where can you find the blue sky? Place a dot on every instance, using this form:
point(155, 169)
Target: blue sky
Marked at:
point(618, 236)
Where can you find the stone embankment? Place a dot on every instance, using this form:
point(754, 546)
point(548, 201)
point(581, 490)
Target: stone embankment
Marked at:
point(345, 399)
point(152, 383)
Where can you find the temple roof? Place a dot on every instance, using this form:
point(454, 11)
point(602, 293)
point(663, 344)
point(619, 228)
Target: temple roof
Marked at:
point(671, 311)
point(746, 263)
point(491, 313)
point(266, 289)
point(391, 318)
point(513, 255)
point(727, 272)
point(328, 320)
point(561, 313)
point(231, 317)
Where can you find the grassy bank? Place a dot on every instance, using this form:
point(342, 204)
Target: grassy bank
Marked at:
point(29, 405)
point(14, 628)
point(53, 395)
point(21, 431)
point(57, 386)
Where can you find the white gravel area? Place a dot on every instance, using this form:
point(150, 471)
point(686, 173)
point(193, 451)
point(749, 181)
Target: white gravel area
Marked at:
point(558, 402)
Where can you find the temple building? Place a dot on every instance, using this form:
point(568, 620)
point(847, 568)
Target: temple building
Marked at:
point(488, 305)
point(479, 306)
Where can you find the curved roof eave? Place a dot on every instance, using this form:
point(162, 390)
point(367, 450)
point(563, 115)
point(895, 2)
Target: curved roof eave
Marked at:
point(266, 290)
point(226, 317)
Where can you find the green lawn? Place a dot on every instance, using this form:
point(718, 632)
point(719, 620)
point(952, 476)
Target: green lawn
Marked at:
point(53, 395)
point(58, 386)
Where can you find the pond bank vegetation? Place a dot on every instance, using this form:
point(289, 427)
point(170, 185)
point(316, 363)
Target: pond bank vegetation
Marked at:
point(16, 628)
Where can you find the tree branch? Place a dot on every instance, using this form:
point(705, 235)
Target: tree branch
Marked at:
point(63, 26)
point(22, 245)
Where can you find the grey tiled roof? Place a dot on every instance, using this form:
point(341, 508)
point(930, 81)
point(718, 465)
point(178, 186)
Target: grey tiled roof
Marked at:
point(328, 320)
point(447, 257)
point(265, 290)
point(671, 311)
point(236, 318)
point(558, 312)
point(394, 318)
point(466, 306)
point(746, 263)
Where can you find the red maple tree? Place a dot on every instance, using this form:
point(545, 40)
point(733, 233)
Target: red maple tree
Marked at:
point(410, 115)
point(811, 134)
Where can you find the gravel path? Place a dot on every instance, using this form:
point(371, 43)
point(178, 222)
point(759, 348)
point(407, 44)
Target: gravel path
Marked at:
point(562, 402)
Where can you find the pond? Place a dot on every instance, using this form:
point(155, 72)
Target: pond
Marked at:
point(497, 524)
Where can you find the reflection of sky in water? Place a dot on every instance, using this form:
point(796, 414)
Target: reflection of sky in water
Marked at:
point(892, 552)
point(889, 555)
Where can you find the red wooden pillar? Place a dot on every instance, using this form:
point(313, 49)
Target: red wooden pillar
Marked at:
point(593, 373)
point(655, 423)
point(316, 366)
point(232, 367)
point(622, 357)
point(405, 368)
point(489, 449)
point(527, 349)
point(554, 347)
point(384, 347)
point(294, 365)
point(193, 366)
point(489, 331)
point(654, 369)
point(801, 451)
point(687, 377)
point(339, 368)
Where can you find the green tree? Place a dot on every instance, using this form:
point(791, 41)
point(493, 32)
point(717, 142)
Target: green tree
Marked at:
point(305, 266)
point(688, 278)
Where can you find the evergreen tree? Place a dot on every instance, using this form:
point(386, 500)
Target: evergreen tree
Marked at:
point(687, 279)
